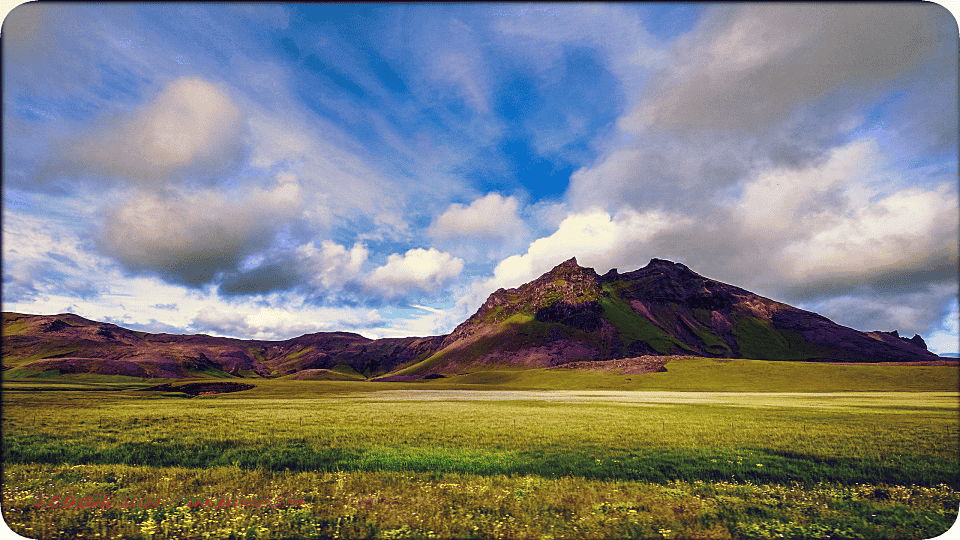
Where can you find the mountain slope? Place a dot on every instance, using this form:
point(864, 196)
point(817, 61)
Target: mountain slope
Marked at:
point(569, 314)
point(67, 343)
point(572, 314)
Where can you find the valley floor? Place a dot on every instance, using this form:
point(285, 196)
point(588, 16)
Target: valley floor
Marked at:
point(320, 459)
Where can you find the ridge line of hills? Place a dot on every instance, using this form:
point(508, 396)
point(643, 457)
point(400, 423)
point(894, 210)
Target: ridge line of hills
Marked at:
point(569, 315)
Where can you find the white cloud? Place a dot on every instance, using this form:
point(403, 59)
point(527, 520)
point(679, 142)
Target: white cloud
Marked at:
point(248, 321)
point(42, 259)
point(434, 322)
point(419, 270)
point(192, 122)
point(427, 308)
point(190, 237)
point(263, 323)
point(786, 200)
point(459, 64)
point(331, 266)
point(595, 238)
point(903, 232)
point(492, 216)
point(734, 96)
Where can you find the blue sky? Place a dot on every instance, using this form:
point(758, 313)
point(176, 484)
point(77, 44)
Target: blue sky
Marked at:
point(264, 171)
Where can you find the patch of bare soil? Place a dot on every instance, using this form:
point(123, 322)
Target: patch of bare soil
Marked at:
point(196, 389)
point(627, 366)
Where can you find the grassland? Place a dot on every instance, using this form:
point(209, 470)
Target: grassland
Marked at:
point(495, 454)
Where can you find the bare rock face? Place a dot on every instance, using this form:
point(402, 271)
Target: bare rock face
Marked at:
point(55, 325)
point(918, 341)
point(915, 340)
point(586, 316)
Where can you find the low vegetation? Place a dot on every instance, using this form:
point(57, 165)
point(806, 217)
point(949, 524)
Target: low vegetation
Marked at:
point(440, 460)
point(426, 505)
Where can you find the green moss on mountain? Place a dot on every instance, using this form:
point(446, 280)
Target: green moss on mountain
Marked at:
point(635, 327)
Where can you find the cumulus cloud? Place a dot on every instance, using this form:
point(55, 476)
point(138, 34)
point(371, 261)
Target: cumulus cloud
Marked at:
point(490, 217)
point(734, 96)
point(783, 200)
point(595, 238)
point(191, 125)
point(277, 323)
point(265, 323)
point(332, 266)
point(850, 226)
point(910, 232)
point(189, 238)
point(850, 221)
point(417, 271)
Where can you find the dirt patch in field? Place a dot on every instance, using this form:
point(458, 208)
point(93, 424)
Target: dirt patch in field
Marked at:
point(196, 389)
point(628, 366)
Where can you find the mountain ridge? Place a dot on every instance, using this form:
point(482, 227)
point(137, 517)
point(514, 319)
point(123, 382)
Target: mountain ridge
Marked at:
point(569, 314)
point(572, 314)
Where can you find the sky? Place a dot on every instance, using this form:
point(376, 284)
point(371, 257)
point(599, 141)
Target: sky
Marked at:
point(266, 171)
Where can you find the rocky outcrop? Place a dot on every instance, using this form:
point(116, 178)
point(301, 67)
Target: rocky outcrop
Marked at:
point(915, 340)
point(918, 341)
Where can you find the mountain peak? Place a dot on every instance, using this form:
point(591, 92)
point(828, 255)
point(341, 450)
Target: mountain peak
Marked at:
point(569, 263)
point(663, 263)
point(571, 313)
point(567, 270)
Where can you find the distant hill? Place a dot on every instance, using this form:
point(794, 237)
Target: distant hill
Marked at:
point(570, 314)
point(67, 343)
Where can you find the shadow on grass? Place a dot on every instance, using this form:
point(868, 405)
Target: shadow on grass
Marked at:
point(652, 465)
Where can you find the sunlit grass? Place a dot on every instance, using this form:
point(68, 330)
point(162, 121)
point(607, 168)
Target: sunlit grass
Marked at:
point(423, 460)
point(425, 505)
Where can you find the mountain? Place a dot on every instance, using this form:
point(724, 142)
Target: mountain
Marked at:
point(570, 314)
point(68, 343)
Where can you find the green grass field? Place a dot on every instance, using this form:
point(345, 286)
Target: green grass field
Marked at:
point(792, 451)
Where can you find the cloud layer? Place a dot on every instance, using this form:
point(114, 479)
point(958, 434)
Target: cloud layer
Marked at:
point(271, 170)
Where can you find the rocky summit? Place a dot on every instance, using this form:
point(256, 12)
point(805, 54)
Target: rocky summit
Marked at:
point(569, 315)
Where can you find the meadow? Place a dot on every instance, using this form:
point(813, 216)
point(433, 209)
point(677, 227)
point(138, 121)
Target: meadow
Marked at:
point(495, 454)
